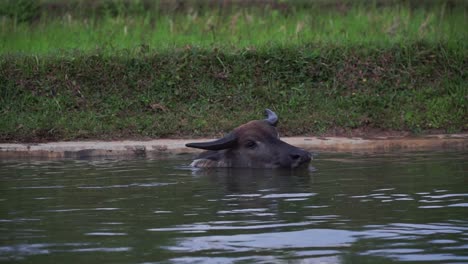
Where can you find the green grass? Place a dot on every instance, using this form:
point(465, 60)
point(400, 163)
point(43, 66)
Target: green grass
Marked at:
point(117, 75)
point(361, 24)
point(195, 92)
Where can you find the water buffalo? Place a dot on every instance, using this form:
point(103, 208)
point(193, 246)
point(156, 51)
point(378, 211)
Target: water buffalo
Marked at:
point(252, 145)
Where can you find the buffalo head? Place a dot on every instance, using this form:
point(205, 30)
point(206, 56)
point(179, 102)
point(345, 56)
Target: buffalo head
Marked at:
point(252, 145)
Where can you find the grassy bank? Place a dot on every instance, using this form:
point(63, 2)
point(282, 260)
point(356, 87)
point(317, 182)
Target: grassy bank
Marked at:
point(134, 27)
point(196, 91)
point(130, 71)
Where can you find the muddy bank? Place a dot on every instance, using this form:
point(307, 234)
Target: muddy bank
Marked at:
point(167, 147)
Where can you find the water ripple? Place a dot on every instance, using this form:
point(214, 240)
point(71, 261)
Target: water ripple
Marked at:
point(329, 238)
point(207, 227)
point(153, 184)
point(287, 195)
point(105, 234)
point(80, 209)
point(38, 187)
point(102, 249)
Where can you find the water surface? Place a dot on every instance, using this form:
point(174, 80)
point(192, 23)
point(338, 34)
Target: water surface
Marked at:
point(400, 207)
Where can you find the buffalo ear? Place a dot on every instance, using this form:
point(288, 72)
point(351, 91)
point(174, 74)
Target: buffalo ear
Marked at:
point(223, 143)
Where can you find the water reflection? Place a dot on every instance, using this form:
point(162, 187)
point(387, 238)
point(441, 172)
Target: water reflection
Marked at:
point(353, 209)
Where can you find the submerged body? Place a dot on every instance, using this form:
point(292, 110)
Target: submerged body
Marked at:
point(252, 145)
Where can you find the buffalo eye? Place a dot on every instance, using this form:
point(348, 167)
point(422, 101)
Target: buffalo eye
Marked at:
point(251, 144)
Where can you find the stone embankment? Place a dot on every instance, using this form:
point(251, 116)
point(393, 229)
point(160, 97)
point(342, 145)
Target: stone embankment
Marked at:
point(158, 147)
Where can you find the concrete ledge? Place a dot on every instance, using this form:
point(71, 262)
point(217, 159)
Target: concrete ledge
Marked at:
point(85, 149)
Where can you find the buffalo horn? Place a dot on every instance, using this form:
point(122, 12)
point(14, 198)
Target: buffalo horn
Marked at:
point(223, 143)
point(272, 118)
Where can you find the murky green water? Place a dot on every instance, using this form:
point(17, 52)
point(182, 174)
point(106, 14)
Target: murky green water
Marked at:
point(353, 209)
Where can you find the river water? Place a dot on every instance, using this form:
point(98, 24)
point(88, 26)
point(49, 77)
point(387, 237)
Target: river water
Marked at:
point(355, 208)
